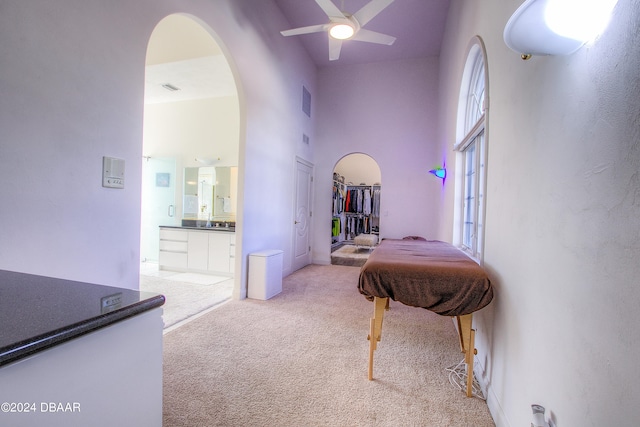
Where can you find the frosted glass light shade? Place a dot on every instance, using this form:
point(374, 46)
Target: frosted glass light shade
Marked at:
point(548, 27)
point(341, 31)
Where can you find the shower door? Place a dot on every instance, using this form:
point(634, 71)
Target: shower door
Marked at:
point(158, 203)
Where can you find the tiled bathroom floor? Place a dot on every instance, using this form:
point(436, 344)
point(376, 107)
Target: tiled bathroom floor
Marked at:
point(188, 295)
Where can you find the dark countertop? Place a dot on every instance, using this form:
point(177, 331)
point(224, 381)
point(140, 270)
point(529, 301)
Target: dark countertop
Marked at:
point(183, 227)
point(38, 312)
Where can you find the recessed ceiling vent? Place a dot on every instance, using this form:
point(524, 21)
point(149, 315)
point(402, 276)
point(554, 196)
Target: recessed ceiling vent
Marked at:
point(170, 87)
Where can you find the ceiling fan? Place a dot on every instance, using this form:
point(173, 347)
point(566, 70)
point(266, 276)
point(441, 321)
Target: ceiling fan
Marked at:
point(345, 26)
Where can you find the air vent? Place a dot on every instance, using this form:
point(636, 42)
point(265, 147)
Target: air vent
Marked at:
point(305, 138)
point(306, 101)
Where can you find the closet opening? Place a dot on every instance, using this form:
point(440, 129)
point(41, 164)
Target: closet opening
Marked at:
point(355, 223)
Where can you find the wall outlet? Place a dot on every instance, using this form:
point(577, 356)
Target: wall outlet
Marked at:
point(110, 303)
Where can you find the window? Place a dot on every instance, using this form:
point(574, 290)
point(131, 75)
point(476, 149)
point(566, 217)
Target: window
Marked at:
point(471, 148)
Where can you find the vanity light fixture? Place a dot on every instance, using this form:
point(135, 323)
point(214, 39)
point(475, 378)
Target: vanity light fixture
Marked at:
point(208, 161)
point(556, 27)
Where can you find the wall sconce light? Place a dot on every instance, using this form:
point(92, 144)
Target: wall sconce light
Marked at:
point(439, 172)
point(208, 161)
point(556, 27)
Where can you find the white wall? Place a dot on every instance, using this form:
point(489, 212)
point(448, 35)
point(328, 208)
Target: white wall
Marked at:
point(185, 130)
point(73, 92)
point(204, 128)
point(358, 168)
point(563, 219)
point(388, 111)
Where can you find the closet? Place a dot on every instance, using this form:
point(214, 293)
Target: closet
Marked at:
point(355, 199)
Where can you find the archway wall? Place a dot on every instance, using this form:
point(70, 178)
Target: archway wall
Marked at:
point(57, 129)
point(358, 111)
point(358, 168)
point(269, 71)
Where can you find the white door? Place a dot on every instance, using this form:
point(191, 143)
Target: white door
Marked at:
point(302, 215)
point(158, 203)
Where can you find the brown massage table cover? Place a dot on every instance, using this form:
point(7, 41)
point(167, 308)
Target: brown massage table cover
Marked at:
point(429, 274)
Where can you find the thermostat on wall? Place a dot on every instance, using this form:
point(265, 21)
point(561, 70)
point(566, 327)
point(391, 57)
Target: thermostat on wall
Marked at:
point(112, 172)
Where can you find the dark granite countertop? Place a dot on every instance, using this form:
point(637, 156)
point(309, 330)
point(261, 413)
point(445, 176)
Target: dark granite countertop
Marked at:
point(185, 227)
point(38, 312)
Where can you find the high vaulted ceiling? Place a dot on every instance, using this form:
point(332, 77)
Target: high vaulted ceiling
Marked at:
point(183, 54)
point(418, 26)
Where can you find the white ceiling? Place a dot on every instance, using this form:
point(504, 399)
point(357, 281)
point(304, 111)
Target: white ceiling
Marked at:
point(183, 54)
point(198, 78)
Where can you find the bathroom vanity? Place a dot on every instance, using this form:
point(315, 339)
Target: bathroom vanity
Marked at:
point(209, 250)
point(74, 353)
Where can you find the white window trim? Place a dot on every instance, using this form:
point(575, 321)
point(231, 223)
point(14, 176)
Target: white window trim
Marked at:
point(473, 133)
point(463, 140)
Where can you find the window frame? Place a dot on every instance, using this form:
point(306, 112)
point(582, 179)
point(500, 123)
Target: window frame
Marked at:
point(472, 137)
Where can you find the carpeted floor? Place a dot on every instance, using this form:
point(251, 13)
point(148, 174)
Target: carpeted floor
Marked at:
point(300, 359)
point(350, 255)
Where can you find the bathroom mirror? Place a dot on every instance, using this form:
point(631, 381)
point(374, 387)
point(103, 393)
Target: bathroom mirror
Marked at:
point(210, 193)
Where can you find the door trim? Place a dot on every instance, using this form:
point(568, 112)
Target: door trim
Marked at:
point(300, 160)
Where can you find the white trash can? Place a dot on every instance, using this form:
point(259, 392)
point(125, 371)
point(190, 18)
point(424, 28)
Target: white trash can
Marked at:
point(265, 274)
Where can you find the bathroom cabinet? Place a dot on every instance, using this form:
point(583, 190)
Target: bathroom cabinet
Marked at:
point(200, 250)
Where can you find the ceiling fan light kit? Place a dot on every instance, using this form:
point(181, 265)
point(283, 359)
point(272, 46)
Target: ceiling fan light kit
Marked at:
point(341, 31)
point(345, 26)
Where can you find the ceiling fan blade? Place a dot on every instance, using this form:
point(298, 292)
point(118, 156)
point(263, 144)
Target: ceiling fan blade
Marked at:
point(305, 30)
point(330, 9)
point(334, 48)
point(364, 35)
point(370, 10)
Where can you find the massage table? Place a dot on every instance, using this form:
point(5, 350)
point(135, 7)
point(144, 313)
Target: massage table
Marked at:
point(428, 274)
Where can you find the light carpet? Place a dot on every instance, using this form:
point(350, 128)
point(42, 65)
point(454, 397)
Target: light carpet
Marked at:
point(186, 299)
point(300, 359)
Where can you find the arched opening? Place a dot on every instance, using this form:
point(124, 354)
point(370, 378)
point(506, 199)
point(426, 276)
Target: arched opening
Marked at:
point(190, 168)
point(355, 225)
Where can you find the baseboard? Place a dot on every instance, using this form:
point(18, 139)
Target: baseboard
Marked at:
point(498, 415)
point(321, 261)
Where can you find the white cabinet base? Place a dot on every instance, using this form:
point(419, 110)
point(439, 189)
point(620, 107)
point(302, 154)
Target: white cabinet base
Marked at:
point(197, 251)
point(110, 377)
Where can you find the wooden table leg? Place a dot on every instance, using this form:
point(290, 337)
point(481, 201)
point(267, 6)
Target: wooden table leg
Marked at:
point(375, 328)
point(467, 337)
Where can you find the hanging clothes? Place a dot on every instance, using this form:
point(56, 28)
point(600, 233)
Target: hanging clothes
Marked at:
point(375, 211)
point(335, 227)
point(366, 204)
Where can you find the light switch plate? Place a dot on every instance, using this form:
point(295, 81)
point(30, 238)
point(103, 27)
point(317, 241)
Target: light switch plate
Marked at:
point(112, 172)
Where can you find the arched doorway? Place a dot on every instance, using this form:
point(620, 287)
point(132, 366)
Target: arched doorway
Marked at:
point(190, 158)
point(355, 224)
